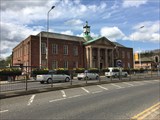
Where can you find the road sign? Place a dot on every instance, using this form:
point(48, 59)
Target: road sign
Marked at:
point(119, 63)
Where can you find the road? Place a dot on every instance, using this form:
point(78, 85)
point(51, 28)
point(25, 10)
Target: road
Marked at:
point(106, 101)
point(32, 84)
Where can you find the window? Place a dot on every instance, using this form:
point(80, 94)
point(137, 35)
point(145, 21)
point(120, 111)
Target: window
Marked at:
point(54, 48)
point(44, 63)
point(123, 54)
point(75, 64)
point(43, 48)
point(55, 64)
point(65, 64)
point(65, 49)
point(75, 51)
point(128, 55)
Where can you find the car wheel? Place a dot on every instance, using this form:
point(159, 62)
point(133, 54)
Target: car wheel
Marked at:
point(97, 78)
point(42, 82)
point(49, 80)
point(67, 79)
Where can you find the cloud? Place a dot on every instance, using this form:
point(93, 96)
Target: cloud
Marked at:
point(68, 32)
point(149, 33)
point(74, 22)
point(112, 33)
point(133, 3)
point(12, 34)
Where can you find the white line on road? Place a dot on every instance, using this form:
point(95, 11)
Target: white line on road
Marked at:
point(128, 84)
point(57, 100)
point(139, 83)
point(97, 92)
point(31, 100)
point(85, 89)
point(63, 93)
point(74, 96)
point(117, 86)
point(3, 111)
point(102, 87)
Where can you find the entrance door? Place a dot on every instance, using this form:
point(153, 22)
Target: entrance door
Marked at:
point(101, 65)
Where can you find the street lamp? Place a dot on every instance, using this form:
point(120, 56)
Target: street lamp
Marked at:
point(47, 35)
point(134, 51)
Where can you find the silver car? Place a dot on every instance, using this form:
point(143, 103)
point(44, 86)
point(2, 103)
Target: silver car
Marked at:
point(87, 76)
point(56, 77)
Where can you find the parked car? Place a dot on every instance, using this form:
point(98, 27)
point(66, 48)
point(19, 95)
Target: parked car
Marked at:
point(56, 78)
point(115, 72)
point(87, 76)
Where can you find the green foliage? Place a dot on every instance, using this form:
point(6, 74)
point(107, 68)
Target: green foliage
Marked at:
point(40, 71)
point(62, 71)
point(10, 72)
point(105, 70)
point(79, 70)
point(93, 70)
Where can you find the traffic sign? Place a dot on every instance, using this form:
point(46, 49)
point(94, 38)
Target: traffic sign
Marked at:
point(119, 63)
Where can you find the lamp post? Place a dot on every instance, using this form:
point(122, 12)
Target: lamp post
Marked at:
point(134, 50)
point(47, 60)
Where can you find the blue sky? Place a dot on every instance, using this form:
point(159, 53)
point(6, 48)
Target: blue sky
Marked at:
point(118, 20)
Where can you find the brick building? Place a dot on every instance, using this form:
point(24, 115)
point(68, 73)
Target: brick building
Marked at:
point(65, 51)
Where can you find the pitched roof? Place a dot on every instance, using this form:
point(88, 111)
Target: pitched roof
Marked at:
point(96, 39)
point(61, 36)
point(118, 44)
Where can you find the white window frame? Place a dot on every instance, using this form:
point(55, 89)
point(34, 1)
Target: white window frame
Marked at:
point(54, 64)
point(65, 64)
point(54, 48)
point(75, 50)
point(65, 49)
point(43, 48)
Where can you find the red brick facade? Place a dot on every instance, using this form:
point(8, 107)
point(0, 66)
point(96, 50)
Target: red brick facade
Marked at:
point(28, 52)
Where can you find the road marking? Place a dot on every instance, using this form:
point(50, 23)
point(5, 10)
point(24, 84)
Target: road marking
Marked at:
point(57, 100)
point(63, 93)
point(118, 87)
point(139, 83)
point(31, 100)
point(156, 80)
point(74, 96)
point(128, 84)
point(97, 92)
point(85, 89)
point(146, 112)
point(102, 87)
point(147, 81)
point(3, 111)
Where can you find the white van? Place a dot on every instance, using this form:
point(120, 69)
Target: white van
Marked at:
point(115, 72)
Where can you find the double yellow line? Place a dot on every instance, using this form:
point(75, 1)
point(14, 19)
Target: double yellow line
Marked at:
point(146, 112)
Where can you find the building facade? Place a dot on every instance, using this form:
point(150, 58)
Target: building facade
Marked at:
point(53, 50)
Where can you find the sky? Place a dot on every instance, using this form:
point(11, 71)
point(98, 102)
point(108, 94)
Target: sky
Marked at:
point(132, 23)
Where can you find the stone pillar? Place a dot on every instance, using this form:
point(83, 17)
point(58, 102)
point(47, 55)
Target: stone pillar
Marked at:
point(91, 60)
point(87, 56)
point(112, 58)
point(106, 57)
point(98, 57)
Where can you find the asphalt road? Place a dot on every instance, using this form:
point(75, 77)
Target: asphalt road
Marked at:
point(32, 84)
point(106, 101)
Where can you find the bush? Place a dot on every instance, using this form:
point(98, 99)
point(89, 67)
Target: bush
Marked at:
point(40, 71)
point(79, 70)
point(62, 71)
point(93, 70)
point(10, 72)
point(105, 70)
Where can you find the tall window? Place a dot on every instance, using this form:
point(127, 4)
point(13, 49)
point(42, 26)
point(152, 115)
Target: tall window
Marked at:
point(55, 64)
point(75, 64)
point(75, 50)
point(123, 54)
point(65, 49)
point(65, 64)
point(128, 55)
point(43, 48)
point(54, 48)
point(44, 63)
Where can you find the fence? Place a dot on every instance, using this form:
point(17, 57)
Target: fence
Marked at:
point(24, 84)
